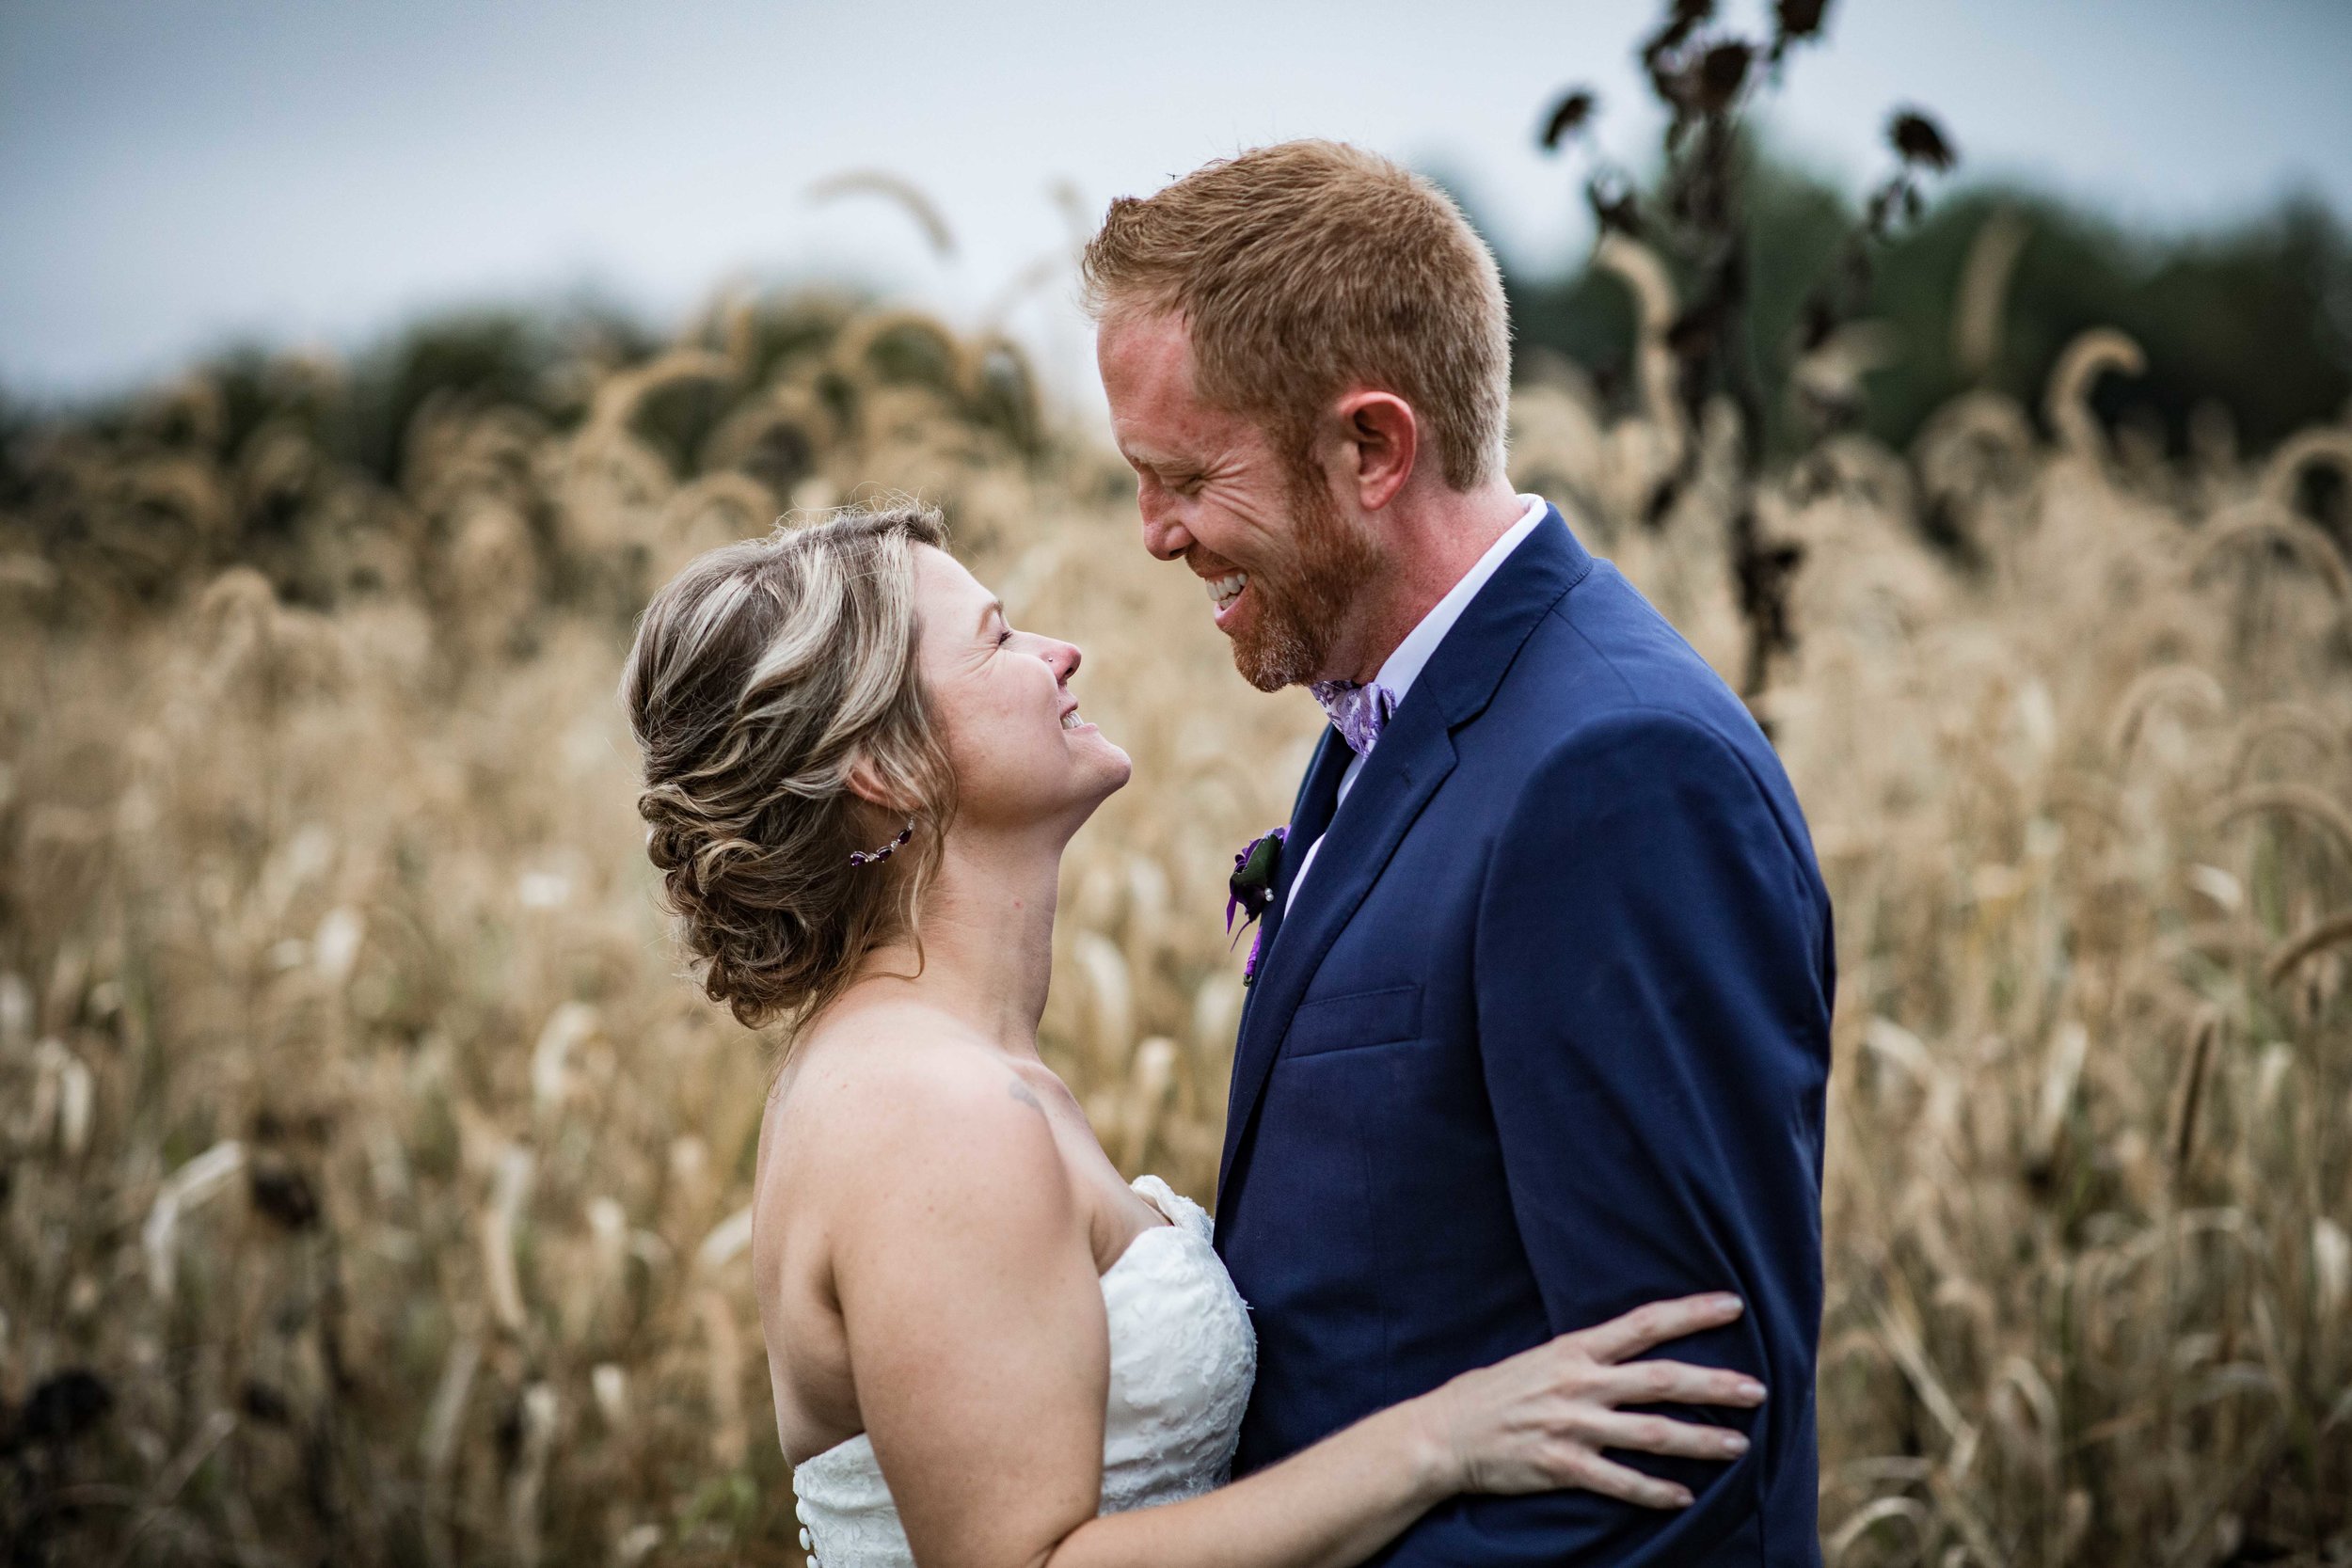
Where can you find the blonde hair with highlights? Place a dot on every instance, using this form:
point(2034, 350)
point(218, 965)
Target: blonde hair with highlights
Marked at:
point(1307, 268)
point(761, 675)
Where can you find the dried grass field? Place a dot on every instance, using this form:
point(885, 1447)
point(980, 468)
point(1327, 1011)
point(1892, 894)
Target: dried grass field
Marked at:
point(373, 1183)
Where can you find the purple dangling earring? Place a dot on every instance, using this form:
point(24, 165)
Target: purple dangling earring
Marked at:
point(873, 857)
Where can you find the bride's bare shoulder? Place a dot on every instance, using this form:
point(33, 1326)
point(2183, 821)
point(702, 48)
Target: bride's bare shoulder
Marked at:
point(902, 1093)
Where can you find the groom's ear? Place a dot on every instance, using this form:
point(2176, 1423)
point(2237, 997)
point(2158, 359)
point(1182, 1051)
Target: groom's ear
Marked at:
point(1383, 439)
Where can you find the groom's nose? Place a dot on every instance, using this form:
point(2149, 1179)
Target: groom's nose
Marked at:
point(1164, 534)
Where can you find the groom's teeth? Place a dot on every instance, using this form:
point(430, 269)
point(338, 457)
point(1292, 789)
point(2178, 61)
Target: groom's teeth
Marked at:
point(1225, 589)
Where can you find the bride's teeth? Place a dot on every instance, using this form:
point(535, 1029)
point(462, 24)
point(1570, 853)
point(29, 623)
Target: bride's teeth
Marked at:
point(1071, 720)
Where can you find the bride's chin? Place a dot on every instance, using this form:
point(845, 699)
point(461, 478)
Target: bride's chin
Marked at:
point(1117, 770)
point(1120, 771)
point(1075, 805)
point(1112, 781)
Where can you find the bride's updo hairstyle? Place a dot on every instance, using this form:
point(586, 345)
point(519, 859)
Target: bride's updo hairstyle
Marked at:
point(760, 675)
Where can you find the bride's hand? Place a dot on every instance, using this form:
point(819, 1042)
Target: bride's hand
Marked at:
point(1540, 1420)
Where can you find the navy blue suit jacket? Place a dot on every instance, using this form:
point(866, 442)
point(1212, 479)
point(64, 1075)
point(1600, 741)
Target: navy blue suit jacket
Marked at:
point(1543, 1037)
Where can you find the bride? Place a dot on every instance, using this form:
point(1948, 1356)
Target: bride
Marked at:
point(985, 1347)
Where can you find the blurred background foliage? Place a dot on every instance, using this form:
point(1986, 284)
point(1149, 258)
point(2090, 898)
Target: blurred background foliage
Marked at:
point(2252, 320)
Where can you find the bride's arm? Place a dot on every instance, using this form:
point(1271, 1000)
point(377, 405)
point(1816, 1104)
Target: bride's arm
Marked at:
point(1534, 1424)
point(971, 1306)
point(980, 1356)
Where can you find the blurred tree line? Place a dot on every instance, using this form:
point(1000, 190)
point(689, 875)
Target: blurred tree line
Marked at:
point(545, 362)
point(2254, 319)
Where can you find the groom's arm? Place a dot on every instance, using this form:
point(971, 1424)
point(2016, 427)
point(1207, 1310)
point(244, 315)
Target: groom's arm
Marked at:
point(1652, 988)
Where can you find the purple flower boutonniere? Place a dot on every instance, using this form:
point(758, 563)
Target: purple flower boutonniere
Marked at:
point(1252, 890)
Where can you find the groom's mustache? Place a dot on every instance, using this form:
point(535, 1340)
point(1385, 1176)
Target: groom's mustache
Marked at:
point(1208, 563)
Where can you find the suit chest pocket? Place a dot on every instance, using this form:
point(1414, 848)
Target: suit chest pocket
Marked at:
point(1354, 1020)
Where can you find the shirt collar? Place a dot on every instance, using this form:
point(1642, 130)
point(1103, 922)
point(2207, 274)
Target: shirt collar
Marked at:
point(1405, 665)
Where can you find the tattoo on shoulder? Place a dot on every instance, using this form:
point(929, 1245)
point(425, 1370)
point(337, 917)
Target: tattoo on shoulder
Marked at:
point(1023, 1093)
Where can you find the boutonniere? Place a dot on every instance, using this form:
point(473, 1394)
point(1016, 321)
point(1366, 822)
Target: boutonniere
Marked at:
point(1251, 890)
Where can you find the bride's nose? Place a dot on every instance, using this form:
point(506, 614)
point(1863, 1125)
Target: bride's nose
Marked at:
point(1063, 657)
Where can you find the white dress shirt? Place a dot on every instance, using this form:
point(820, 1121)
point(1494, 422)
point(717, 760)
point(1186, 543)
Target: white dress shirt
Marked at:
point(1412, 654)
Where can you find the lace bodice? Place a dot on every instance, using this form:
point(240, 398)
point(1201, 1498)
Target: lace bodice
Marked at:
point(1183, 1357)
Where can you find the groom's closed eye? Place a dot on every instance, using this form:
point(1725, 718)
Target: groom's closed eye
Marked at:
point(1183, 481)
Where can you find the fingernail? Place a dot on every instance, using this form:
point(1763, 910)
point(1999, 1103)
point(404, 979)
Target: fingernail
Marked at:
point(1733, 1443)
point(1726, 1301)
point(1750, 1388)
point(1682, 1498)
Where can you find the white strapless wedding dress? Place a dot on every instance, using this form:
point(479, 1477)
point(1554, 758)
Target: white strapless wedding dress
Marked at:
point(1183, 1357)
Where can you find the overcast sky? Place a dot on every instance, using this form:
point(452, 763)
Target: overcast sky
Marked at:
point(176, 175)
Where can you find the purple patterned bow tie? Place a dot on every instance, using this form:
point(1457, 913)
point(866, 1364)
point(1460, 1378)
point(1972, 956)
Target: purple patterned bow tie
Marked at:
point(1358, 712)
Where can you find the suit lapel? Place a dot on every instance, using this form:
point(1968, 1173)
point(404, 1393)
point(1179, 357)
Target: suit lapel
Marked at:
point(1415, 753)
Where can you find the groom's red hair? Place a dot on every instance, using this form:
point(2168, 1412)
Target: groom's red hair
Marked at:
point(1307, 267)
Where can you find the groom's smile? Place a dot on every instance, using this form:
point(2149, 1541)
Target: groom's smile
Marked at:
point(1226, 583)
point(1225, 589)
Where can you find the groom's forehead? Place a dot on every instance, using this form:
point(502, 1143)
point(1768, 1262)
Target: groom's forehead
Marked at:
point(1158, 410)
point(1160, 426)
point(1140, 351)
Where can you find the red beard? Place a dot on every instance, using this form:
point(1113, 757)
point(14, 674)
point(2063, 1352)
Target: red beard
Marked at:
point(1301, 600)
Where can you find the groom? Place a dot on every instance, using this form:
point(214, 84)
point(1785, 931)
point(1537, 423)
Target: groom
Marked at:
point(1540, 1021)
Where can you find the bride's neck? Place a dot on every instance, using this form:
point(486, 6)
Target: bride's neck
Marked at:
point(987, 953)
